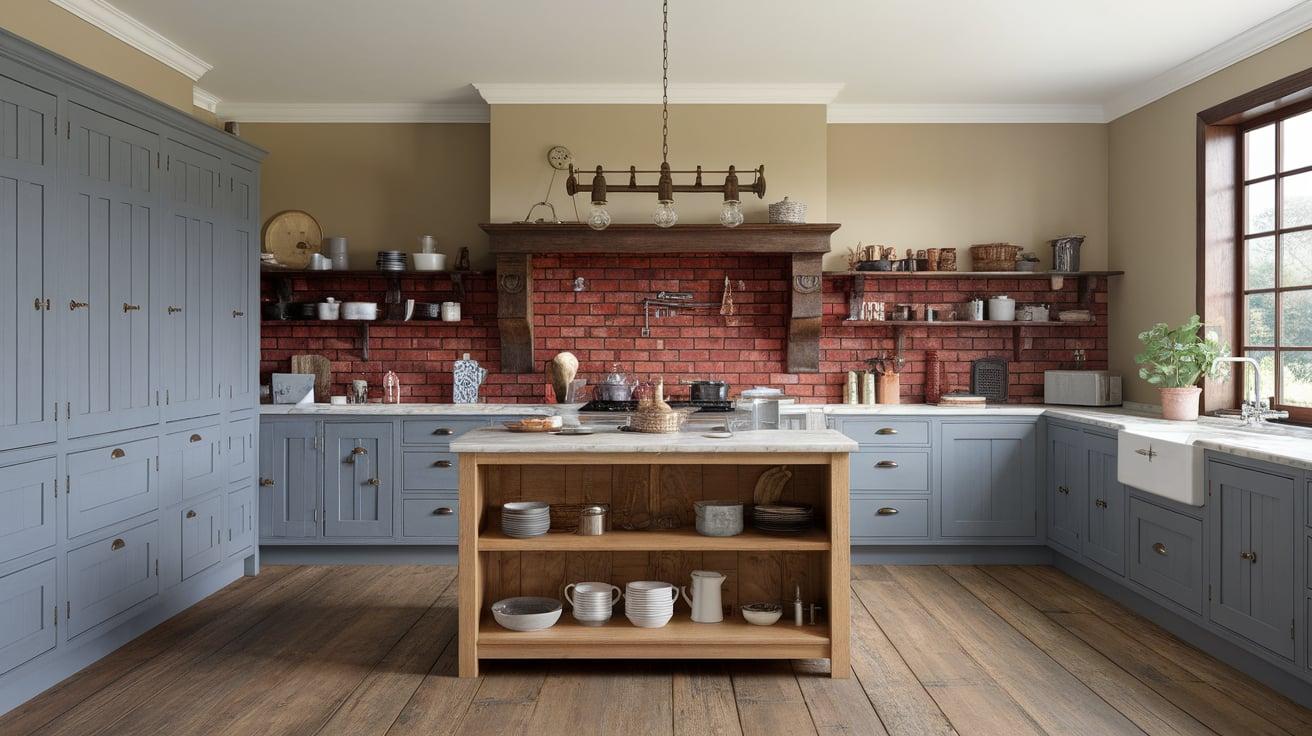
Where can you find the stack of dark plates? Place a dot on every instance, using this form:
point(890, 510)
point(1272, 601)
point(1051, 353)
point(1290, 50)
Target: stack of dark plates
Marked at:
point(390, 260)
point(427, 311)
point(783, 519)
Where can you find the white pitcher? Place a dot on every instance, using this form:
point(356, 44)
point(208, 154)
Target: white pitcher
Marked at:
point(705, 600)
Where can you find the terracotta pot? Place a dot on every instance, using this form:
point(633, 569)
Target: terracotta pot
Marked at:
point(1180, 404)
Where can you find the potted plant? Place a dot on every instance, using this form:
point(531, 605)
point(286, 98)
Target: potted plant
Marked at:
point(1174, 360)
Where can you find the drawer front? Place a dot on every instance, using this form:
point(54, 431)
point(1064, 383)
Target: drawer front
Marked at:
point(239, 452)
point(202, 536)
point(431, 517)
point(27, 495)
point(196, 453)
point(880, 518)
point(1166, 553)
point(27, 614)
point(887, 431)
point(241, 520)
point(883, 470)
point(429, 471)
point(111, 575)
point(111, 484)
point(436, 431)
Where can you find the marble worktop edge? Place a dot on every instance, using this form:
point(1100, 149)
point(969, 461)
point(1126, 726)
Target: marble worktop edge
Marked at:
point(612, 440)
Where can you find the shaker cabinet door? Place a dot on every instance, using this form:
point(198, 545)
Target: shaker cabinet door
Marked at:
point(1065, 487)
point(1104, 538)
point(358, 479)
point(289, 481)
point(28, 173)
point(988, 480)
point(112, 235)
point(239, 257)
point(27, 496)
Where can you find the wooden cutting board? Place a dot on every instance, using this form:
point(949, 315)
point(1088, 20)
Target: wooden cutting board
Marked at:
point(292, 236)
point(321, 367)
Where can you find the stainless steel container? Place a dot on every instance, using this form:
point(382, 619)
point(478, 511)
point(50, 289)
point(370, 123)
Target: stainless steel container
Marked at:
point(592, 521)
point(719, 518)
point(1066, 253)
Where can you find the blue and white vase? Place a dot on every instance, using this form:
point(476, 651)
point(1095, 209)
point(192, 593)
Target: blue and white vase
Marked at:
point(469, 376)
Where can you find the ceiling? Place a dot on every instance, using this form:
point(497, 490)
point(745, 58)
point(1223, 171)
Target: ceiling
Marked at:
point(882, 52)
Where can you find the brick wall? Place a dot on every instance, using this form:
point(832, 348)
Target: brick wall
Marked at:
point(603, 324)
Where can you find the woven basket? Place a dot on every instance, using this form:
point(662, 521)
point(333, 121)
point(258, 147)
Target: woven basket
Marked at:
point(994, 256)
point(659, 422)
point(788, 212)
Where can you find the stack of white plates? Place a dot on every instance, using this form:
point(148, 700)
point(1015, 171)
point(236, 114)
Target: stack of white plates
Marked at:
point(649, 603)
point(523, 519)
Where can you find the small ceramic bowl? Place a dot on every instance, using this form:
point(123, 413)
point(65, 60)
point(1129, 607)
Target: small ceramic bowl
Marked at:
point(429, 261)
point(359, 310)
point(762, 614)
point(527, 613)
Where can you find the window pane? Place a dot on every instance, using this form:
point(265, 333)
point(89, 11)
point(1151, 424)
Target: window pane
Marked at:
point(1296, 377)
point(1295, 259)
point(1260, 152)
point(1261, 310)
point(1296, 209)
point(1296, 148)
point(1261, 262)
point(1267, 360)
point(1296, 319)
point(1260, 207)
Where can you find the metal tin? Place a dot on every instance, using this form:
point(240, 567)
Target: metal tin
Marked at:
point(592, 521)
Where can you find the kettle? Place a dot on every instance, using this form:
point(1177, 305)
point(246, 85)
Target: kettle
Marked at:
point(705, 599)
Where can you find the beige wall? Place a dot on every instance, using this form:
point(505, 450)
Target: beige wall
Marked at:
point(380, 185)
point(44, 23)
point(1152, 201)
point(929, 186)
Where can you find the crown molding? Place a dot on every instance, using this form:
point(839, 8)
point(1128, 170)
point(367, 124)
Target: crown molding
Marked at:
point(696, 93)
point(136, 34)
point(352, 112)
point(943, 113)
point(1260, 37)
point(204, 99)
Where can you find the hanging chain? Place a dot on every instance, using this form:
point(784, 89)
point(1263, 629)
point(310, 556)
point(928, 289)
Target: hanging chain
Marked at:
point(665, 82)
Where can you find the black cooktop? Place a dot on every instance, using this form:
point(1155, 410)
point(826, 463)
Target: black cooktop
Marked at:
point(620, 407)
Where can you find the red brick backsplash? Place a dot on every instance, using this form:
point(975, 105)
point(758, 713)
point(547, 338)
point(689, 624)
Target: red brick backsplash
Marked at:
point(603, 324)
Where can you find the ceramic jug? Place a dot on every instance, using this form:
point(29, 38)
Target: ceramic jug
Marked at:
point(705, 599)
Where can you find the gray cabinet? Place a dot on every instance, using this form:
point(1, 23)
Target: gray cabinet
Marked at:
point(357, 476)
point(1104, 510)
point(1252, 581)
point(191, 464)
point(202, 535)
point(27, 497)
point(1065, 486)
point(111, 575)
point(110, 484)
point(289, 481)
point(28, 174)
point(241, 521)
point(27, 614)
point(239, 452)
point(235, 304)
point(1166, 553)
point(988, 479)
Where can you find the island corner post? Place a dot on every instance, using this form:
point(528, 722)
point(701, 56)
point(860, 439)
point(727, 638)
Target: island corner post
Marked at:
point(493, 565)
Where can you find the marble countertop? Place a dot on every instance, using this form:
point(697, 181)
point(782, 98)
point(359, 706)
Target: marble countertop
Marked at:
point(415, 409)
point(497, 440)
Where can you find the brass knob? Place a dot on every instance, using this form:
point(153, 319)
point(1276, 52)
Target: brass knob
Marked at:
point(72, 305)
point(238, 313)
point(1250, 556)
point(1100, 503)
point(886, 464)
point(443, 511)
point(887, 511)
point(266, 481)
point(443, 431)
point(195, 438)
point(117, 453)
point(191, 514)
point(885, 430)
point(131, 307)
point(117, 545)
point(1159, 548)
point(1063, 489)
point(174, 310)
point(441, 463)
point(375, 482)
point(36, 304)
point(359, 451)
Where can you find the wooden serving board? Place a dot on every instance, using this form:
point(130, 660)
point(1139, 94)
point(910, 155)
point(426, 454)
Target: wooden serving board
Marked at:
point(321, 367)
point(292, 236)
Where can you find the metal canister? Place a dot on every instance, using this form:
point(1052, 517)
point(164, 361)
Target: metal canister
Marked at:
point(592, 521)
point(1066, 253)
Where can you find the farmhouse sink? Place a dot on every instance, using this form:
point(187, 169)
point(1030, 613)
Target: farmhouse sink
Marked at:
point(1162, 461)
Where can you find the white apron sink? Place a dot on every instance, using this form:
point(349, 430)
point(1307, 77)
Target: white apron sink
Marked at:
point(1165, 462)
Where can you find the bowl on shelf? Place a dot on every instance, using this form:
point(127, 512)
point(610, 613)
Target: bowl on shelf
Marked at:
point(359, 310)
point(527, 613)
point(762, 614)
point(429, 261)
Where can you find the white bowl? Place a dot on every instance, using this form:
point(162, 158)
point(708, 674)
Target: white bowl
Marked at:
point(650, 622)
point(429, 261)
point(360, 310)
point(527, 613)
point(762, 614)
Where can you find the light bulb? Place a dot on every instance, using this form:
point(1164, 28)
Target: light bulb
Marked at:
point(731, 214)
point(665, 216)
point(599, 218)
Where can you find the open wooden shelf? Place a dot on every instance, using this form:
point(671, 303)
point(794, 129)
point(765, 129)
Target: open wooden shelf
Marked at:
point(732, 638)
point(359, 273)
point(966, 323)
point(684, 540)
point(362, 325)
point(972, 274)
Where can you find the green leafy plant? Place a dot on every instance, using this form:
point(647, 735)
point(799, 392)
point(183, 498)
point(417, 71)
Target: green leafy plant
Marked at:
point(1177, 358)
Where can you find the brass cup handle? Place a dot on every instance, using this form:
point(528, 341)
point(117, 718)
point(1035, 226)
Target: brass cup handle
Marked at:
point(441, 463)
point(75, 305)
point(194, 438)
point(885, 430)
point(238, 313)
point(266, 481)
point(174, 310)
point(375, 482)
point(117, 453)
point(886, 464)
point(191, 514)
point(359, 451)
point(1159, 548)
point(117, 545)
point(36, 304)
point(131, 307)
point(1100, 503)
point(1250, 556)
point(887, 511)
point(443, 431)
point(1063, 490)
point(443, 511)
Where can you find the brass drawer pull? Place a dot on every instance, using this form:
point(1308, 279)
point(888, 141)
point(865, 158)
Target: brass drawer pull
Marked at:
point(443, 511)
point(441, 463)
point(117, 545)
point(131, 307)
point(359, 451)
point(886, 464)
point(1159, 548)
point(887, 511)
point(74, 305)
point(36, 304)
point(174, 310)
point(117, 453)
point(191, 514)
point(1100, 503)
point(375, 482)
point(1063, 489)
point(266, 481)
point(885, 430)
point(238, 313)
point(443, 431)
point(195, 438)
point(1250, 556)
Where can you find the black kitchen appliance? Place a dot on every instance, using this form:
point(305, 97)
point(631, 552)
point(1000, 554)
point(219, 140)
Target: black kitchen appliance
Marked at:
point(622, 407)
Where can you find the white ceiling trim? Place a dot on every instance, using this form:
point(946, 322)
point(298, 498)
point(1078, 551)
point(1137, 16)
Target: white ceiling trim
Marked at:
point(838, 114)
point(205, 99)
point(1252, 41)
point(136, 34)
point(352, 112)
point(697, 93)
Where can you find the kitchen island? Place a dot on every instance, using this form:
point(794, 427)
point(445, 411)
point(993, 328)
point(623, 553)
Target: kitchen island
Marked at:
point(649, 483)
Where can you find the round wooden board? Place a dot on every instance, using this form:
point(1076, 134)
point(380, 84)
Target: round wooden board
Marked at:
point(292, 236)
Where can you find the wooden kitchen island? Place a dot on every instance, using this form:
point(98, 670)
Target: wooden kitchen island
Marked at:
point(650, 483)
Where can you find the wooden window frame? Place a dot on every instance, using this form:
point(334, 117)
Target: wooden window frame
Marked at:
point(1219, 288)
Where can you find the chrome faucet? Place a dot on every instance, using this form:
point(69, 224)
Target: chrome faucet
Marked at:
point(1255, 411)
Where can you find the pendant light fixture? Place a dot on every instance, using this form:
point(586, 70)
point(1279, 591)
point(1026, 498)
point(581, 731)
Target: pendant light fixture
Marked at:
point(731, 213)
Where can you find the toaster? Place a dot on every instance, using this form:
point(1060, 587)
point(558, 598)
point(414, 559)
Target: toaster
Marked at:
point(1081, 388)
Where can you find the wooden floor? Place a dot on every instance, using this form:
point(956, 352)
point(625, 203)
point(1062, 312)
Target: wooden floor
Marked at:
point(936, 650)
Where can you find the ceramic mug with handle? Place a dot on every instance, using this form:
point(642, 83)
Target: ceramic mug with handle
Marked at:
point(592, 602)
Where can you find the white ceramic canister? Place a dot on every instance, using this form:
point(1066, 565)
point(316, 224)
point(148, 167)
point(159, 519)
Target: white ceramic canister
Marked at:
point(450, 311)
point(329, 309)
point(1002, 308)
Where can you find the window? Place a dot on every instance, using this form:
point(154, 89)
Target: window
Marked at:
point(1275, 220)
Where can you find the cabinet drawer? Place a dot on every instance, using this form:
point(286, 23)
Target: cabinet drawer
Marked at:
point(239, 451)
point(27, 495)
point(241, 520)
point(883, 470)
point(27, 614)
point(436, 431)
point(1166, 553)
point(429, 471)
point(431, 517)
point(887, 431)
point(111, 575)
point(191, 464)
point(111, 484)
point(890, 517)
point(201, 536)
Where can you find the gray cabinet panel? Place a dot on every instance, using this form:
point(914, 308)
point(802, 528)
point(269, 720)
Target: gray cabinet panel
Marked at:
point(883, 431)
point(289, 481)
point(1166, 553)
point(191, 463)
point(435, 518)
point(886, 470)
point(241, 521)
point(28, 175)
point(988, 487)
point(429, 471)
point(112, 234)
point(202, 535)
point(27, 508)
point(111, 575)
point(1252, 556)
point(358, 479)
point(111, 484)
point(237, 300)
point(239, 452)
point(438, 431)
point(1104, 538)
point(27, 614)
point(1065, 487)
point(883, 518)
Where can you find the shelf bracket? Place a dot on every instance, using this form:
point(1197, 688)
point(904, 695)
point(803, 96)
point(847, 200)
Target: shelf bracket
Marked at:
point(1015, 343)
point(458, 285)
point(282, 285)
point(515, 311)
point(856, 295)
point(806, 308)
point(1088, 284)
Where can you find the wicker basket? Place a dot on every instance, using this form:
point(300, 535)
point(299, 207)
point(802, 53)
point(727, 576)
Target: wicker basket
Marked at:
point(994, 256)
point(788, 211)
point(659, 422)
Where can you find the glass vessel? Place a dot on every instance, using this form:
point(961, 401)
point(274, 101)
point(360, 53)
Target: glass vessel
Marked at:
point(665, 216)
point(599, 218)
point(731, 214)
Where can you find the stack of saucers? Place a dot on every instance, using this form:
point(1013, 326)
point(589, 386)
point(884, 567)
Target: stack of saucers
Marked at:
point(649, 603)
point(782, 518)
point(524, 519)
point(390, 260)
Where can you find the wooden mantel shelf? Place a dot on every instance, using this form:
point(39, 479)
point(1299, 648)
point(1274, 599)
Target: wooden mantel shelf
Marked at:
point(515, 243)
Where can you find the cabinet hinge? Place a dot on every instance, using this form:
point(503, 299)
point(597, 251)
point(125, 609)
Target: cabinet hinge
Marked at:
point(56, 617)
point(56, 131)
point(156, 567)
point(1291, 628)
point(68, 130)
point(1209, 591)
point(56, 412)
point(167, 399)
point(157, 159)
point(156, 397)
point(229, 535)
point(56, 486)
point(157, 463)
point(68, 410)
point(168, 163)
point(68, 610)
point(68, 485)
